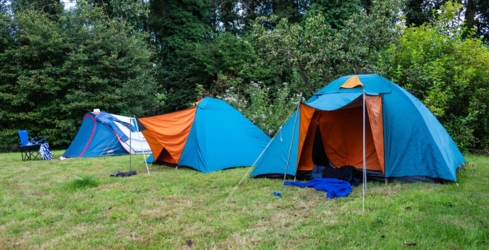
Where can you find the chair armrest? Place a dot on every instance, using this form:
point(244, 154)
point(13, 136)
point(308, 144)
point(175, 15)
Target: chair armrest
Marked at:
point(43, 140)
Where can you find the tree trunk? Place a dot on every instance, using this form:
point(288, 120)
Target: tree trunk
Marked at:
point(304, 78)
point(470, 13)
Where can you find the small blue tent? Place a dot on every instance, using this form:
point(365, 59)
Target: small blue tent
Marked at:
point(208, 137)
point(96, 138)
point(403, 138)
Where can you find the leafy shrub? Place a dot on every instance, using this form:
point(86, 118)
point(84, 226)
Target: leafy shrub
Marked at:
point(447, 73)
point(267, 107)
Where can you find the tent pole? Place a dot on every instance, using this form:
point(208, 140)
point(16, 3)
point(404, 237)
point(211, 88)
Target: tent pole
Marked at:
point(270, 142)
point(261, 154)
point(140, 143)
point(292, 140)
point(364, 157)
point(130, 150)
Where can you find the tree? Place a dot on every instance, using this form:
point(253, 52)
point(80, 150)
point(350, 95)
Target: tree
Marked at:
point(315, 53)
point(133, 12)
point(475, 14)
point(56, 70)
point(335, 12)
point(477, 18)
point(235, 16)
point(417, 12)
point(50, 7)
point(178, 28)
point(447, 73)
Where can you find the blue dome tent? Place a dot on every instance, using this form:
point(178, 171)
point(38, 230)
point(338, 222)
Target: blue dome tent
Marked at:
point(400, 137)
point(208, 137)
point(96, 138)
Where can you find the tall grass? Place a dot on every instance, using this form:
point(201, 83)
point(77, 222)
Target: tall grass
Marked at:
point(182, 208)
point(84, 181)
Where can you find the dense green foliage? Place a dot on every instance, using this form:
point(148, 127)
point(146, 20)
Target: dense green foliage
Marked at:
point(178, 30)
point(450, 75)
point(149, 57)
point(53, 72)
point(316, 53)
point(475, 14)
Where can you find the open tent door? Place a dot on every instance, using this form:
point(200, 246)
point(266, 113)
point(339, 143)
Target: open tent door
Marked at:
point(166, 134)
point(340, 132)
point(319, 156)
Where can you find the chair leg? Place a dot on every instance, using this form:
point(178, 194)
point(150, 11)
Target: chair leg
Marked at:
point(35, 155)
point(25, 155)
point(28, 154)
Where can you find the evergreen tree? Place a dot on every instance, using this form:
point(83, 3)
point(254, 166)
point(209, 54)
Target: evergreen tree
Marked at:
point(56, 70)
point(133, 12)
point(335, 12)
point(235, 16)
point(417, 12)
point(178, 28)
point(50, 7)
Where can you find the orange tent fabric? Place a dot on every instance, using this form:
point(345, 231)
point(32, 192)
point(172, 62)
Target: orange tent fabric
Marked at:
point(342, 135)
point(167, 134)
point(307, 131)
point(374, 111)
point(353, 82)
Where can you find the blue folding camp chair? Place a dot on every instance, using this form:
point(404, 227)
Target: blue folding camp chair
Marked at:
point(29, 149)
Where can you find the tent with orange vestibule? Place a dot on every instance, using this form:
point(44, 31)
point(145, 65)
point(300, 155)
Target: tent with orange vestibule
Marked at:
point(368, 122)
point(208, 137)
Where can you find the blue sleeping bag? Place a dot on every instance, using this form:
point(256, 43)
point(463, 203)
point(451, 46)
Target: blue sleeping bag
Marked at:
point(334, 188)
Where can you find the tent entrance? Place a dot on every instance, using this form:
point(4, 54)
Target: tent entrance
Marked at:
point(339, 135)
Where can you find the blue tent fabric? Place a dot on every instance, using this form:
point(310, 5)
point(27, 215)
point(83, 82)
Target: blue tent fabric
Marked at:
point(220, 138)
point(415, 142)
point(94, 140)
point(334, 188)
point(434, 154)
point(274, 158)
point(373, 84)
point(109, 120)
point(333, 101)
point(150, 158)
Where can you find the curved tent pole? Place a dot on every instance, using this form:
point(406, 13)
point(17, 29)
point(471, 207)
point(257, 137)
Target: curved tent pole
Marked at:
point(292, 140)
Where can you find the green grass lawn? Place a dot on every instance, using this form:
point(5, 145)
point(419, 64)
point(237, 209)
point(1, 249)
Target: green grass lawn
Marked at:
point(74, 204)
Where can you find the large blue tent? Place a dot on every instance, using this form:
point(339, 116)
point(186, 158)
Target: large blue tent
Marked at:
point(208, 137)
point(403, 138)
